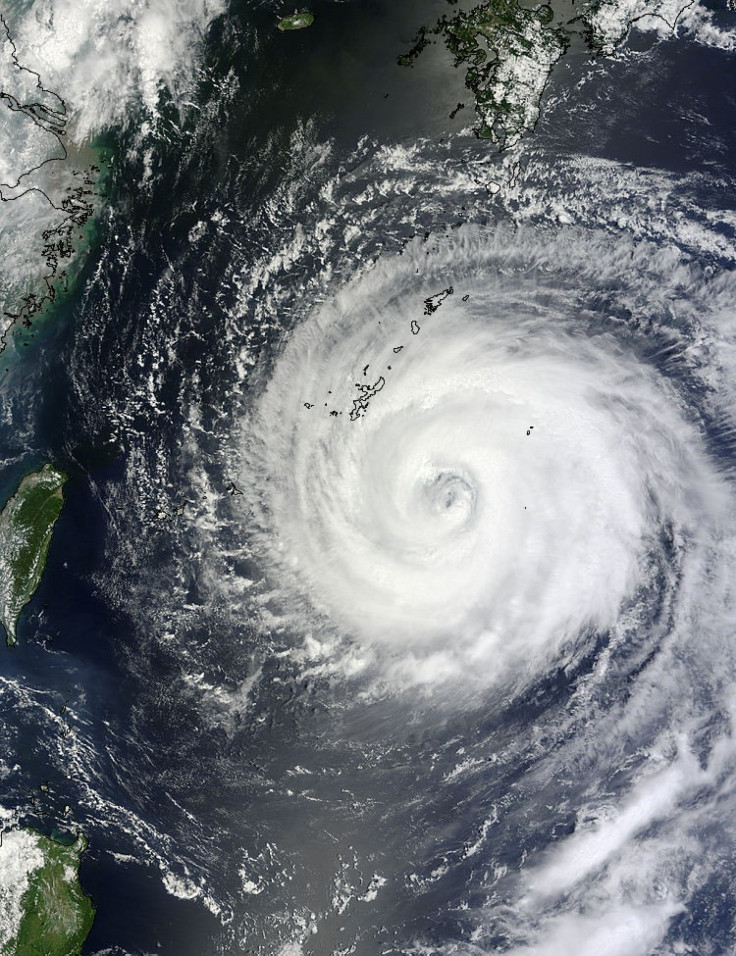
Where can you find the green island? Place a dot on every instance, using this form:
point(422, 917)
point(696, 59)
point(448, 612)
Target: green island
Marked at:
point(298, 20)
point(43, 909)
point(26, 524)
point(508, 51)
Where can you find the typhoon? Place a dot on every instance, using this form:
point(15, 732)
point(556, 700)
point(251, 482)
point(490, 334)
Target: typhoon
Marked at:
point(516, 482)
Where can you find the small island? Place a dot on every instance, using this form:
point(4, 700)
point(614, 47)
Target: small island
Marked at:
point(297, 21)
point(43, 909)
point(26, 524)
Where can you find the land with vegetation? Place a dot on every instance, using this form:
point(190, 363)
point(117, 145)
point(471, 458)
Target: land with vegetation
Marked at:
point(26, 525)
point(508, 50)
point(43, 909)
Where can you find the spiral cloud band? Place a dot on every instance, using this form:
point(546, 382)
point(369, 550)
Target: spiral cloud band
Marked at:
point(467, 459)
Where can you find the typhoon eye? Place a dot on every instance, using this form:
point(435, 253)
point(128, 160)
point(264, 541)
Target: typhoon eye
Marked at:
point(451, 497)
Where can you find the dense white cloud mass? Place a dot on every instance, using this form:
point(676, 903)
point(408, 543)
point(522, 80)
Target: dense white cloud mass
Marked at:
point(509, 469)
point(107, 59)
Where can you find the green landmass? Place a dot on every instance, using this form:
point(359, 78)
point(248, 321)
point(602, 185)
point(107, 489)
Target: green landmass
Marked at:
point(508, 51)
point(26, 525)
point(297, 21)
point(45, 912)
